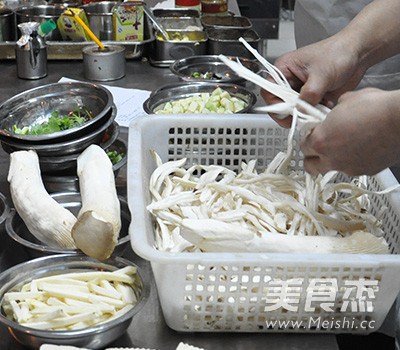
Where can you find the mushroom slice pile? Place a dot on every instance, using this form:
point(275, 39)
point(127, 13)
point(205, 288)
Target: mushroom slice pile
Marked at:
point(260, 212)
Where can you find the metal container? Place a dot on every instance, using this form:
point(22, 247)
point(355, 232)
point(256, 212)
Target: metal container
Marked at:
point(185, 23)
point(78, 144)
point(183, 44)
point(100, 18)
point(70, 183)
point(31, 55)
point(225, 41)
point(188, 68)
point(38, 104)
point(41, 14)
point(65, 165)
point(104, 64)
point(225, 22)
point(96, 337)
point(176, 13)
point(8, 31)
point(173, 92)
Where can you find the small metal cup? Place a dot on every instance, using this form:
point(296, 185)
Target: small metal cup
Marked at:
point(104, 64)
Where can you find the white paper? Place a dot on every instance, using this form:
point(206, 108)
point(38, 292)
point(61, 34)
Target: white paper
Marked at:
point(129, 102)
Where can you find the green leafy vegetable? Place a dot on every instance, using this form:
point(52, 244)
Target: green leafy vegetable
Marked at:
point(56, 123)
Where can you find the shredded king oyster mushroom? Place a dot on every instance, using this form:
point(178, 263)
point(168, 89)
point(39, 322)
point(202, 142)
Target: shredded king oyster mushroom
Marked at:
point(278, 210)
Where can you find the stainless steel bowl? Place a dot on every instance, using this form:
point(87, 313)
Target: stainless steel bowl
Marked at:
point(4, 208)
point(174, 92)
point(70, 146)
point(184, 69)
point(93, 337)
point(65, 164)
point(17, 230)
point(60, 183)
point(37, 105)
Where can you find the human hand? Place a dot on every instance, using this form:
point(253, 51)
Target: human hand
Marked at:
point(321, 72)
point(360, 136)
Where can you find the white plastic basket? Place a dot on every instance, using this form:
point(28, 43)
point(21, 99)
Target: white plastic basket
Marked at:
point(234, 291)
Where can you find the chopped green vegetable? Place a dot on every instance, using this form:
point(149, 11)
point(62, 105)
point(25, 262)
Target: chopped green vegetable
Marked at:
point(206, 75)
point(115, 156)
point(56, 123)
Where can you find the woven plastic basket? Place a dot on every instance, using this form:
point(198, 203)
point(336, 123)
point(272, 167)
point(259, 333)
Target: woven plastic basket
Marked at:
point(253, 292)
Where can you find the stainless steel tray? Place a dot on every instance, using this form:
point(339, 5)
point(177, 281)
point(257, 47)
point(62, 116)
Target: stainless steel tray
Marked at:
point(69, 50)
point(181, 23)
point(225, 22)
point(164, 52)
point(175, 12)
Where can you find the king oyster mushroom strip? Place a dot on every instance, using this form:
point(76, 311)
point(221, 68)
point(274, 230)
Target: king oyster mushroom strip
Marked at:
point(269, 212)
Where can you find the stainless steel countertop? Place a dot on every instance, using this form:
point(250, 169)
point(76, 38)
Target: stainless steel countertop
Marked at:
point(148, 329)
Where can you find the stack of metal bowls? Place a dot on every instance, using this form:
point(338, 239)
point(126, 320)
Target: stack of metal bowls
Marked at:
point(59, 150)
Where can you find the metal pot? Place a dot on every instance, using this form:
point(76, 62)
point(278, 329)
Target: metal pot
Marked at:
point(8, 30)
point(41, 14)
point(100, 18)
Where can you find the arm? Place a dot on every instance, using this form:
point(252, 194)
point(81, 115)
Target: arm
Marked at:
point(325, 70)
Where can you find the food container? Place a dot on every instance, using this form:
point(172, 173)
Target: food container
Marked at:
point(104, 64)
point(70, 182)
point(231, 292)
point(100, 18)
point(191, 4)
point(187, 68)
point(175, 13)
point(184, 23)
point(225, 22)
point(37, 105)
point(183, 44)
point(96, 337)
point(30, 53)
point(41, 14)
point(17, 230)
point(104, 132)
point(173, 92)
point(225, 41)
point(8, 30)
point(66, 164)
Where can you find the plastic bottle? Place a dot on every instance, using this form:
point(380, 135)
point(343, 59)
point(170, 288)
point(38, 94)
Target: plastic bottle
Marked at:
point(46, 27)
